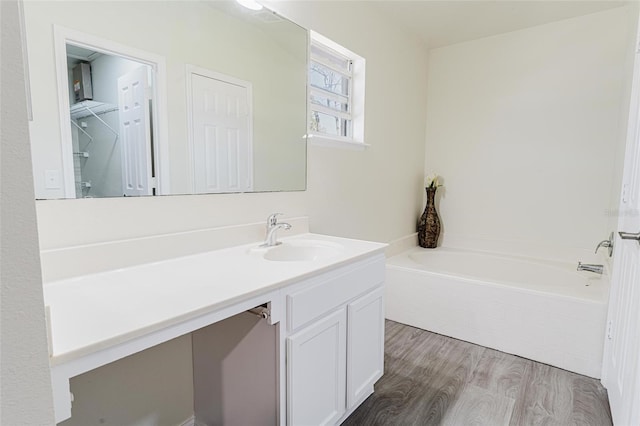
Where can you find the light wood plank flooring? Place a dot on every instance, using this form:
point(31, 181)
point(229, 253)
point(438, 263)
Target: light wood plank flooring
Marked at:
point(431, 379)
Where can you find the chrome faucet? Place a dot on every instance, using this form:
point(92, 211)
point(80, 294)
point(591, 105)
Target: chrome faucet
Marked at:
point(606, 243)
point(272, 227)
point(598, 269)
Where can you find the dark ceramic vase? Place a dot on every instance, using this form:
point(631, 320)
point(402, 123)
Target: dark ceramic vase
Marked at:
point(429, 224)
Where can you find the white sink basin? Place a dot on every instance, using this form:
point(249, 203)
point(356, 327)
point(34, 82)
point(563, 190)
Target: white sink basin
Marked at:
point(302, 251)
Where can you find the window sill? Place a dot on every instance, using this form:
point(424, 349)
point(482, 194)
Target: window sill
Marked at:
point(337, 143)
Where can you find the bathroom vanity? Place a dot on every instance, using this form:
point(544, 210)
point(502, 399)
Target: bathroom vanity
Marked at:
point(321, 343)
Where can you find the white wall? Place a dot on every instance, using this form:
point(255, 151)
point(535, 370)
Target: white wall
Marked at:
point(372, 194)
point(26, 384)
point(526, 128)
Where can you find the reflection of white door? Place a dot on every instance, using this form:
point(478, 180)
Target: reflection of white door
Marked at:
point(621, 363)
point(135, 135)
point(221, 135)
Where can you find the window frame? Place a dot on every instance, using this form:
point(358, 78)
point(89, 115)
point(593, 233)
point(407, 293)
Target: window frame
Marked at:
point(353, 117)
point(346, 74)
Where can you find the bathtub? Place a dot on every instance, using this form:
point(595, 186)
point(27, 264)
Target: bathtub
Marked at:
point(538, 309)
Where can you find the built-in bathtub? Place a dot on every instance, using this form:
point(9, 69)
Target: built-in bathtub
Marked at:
point(538, 309)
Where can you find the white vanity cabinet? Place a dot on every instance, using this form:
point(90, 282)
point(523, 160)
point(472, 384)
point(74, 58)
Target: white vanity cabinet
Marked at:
point(316, 372)
point(312, 361)
point(335, 345)
point(365, 345)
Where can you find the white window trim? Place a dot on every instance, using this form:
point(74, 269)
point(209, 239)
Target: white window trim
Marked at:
point(357, 92)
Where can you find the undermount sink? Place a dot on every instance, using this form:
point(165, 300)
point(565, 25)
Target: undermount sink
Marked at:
point(302, 250)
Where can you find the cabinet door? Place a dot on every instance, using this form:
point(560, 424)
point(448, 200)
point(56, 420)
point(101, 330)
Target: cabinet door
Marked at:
point(365, 347)
point(316, 372)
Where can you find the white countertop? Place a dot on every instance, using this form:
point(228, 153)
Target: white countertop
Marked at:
point(96, 311)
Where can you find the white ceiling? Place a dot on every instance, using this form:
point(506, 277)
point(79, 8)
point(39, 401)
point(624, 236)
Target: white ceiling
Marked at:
point(441, 23)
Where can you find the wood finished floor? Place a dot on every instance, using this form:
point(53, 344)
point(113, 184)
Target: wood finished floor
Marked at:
point(431, 379)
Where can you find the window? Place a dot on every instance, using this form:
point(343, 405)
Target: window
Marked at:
point(336, 92)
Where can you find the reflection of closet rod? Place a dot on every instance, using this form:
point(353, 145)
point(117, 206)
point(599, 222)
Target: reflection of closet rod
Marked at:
point(102, 121)
point(94, 108)
point(82, 130)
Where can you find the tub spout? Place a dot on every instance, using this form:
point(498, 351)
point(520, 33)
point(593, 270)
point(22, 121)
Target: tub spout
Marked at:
point(598, 269)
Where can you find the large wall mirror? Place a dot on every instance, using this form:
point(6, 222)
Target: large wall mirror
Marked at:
point(174, 97)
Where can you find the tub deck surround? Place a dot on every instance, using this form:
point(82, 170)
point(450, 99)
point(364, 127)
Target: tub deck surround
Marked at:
point(526, 249)
point(542, 310)
point(559, 278)
point(98, 318)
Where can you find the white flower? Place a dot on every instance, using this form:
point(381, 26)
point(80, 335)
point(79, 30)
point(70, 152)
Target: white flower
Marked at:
point(431, 180)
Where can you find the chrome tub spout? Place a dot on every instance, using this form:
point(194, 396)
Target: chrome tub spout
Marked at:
point(597, 269)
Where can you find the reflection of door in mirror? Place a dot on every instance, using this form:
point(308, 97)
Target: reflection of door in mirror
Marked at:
point(110, 124)
point(135, 133)
point(221, 121)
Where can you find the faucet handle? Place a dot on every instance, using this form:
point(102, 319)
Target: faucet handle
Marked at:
point(272, 220)
point(603, 243)
point(606, 243)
